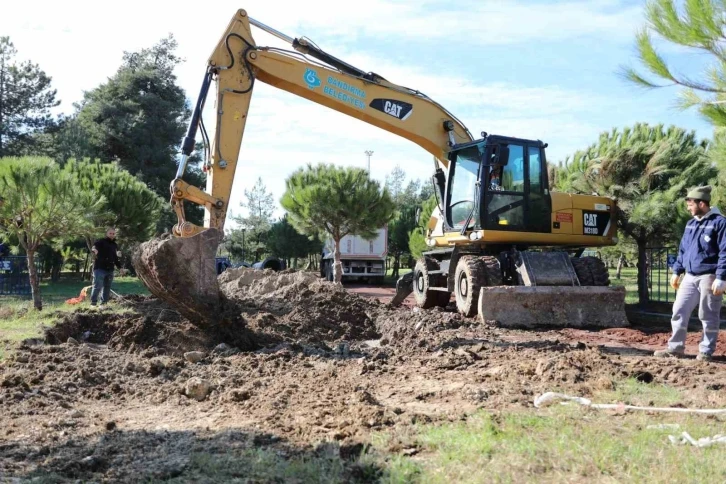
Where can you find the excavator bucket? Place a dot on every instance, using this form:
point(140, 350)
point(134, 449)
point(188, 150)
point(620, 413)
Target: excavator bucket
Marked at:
point(556, 306)
point(404, 287)
point(182, 271)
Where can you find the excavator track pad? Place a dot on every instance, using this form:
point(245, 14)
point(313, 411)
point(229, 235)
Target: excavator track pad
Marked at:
point(182, 272)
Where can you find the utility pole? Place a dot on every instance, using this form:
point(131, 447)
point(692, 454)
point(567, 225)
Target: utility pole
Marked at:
point(369, 153)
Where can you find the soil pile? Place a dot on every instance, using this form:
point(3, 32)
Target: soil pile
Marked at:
point(259, 309)
point(290, 306)
point(150, 325)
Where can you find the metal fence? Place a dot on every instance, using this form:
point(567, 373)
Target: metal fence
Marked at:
point(14, 279)
point(660, 261)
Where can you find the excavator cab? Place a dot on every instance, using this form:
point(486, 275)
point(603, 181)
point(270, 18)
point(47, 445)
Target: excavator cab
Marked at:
point(508, 179)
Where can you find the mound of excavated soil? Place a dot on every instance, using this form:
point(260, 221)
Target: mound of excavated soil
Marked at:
point(411, 329)
point(149, 325)
point(299, 307)
point(261, 308)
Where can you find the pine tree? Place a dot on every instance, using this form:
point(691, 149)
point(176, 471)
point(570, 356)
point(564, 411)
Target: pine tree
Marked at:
point(337, 201)
point(40, 204)
point(647, 170)
point(26, 98)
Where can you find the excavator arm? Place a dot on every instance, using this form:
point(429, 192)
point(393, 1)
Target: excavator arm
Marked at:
point(238, 62)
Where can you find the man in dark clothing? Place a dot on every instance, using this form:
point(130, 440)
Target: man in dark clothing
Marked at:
point(106, 257)
point(702, 258)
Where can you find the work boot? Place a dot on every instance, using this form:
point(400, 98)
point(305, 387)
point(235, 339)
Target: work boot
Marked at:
point(704, 357)
point(668, 353)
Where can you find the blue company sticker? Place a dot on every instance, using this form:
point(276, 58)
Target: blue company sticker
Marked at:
point(311, 78)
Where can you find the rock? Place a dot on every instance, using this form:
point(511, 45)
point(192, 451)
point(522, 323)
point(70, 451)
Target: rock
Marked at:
point(221, 348)
point(111, 425)
point(84, 350)
point(75, 414)
point(240, 395)
point(197, 388)
point(92, 463)
point(72, 341)
point(543, 366)
point(194, 356)
point(21, 358)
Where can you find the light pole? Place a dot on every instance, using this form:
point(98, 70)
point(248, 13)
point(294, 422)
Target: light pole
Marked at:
point(369, 153)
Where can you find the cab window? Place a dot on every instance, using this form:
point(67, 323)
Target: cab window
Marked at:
point(463, 186)
point(513, 171)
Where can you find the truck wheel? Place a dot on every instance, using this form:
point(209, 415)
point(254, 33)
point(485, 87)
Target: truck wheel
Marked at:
point(591, 271)
point(425, 297)
point(469, 277)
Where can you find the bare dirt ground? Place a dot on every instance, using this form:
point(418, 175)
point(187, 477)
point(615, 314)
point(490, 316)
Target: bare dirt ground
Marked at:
point(128, 397)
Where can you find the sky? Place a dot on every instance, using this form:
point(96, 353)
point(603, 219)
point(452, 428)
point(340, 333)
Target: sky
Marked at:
point(535, 69)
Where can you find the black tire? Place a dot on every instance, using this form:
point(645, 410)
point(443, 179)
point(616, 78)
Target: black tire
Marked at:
point(493, 278)
point(469, 278)
point(591, 271)
point(425, 297)
point(493, 271)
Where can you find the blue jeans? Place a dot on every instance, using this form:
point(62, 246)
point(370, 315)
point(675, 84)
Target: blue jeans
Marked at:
point(101, 280)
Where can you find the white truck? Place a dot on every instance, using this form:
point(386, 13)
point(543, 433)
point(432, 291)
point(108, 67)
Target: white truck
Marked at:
point(362, 259)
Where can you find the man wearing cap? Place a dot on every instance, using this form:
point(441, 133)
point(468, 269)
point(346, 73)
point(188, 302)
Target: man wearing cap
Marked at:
point(702, 258)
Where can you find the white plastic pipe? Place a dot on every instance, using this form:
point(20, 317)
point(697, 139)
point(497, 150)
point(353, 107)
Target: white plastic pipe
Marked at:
point(551, 397)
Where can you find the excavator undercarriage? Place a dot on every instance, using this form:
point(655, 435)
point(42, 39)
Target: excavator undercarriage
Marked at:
point(517, 289)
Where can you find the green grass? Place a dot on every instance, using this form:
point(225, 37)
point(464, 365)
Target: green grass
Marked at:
point(629, 279)
point(261, 465)
point(19, 320)
point(561, 444)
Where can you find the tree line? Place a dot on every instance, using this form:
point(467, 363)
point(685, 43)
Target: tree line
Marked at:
point(64, 178)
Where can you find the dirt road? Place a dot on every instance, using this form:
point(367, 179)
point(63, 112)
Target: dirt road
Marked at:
point(109, 396)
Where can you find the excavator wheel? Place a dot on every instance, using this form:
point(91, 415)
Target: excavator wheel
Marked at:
point(591, 271)
point(493, 276)
point(425, 297)
point(469, 278)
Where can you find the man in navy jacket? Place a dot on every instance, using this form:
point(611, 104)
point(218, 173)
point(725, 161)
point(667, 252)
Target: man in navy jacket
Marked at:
point(702, 258)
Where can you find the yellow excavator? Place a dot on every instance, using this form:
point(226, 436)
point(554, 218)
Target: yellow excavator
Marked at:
point(507, 247)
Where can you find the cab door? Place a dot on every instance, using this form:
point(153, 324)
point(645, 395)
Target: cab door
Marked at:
point(516, 196)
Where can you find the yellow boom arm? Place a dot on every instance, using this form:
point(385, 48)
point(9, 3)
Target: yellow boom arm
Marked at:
point(237, 62)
